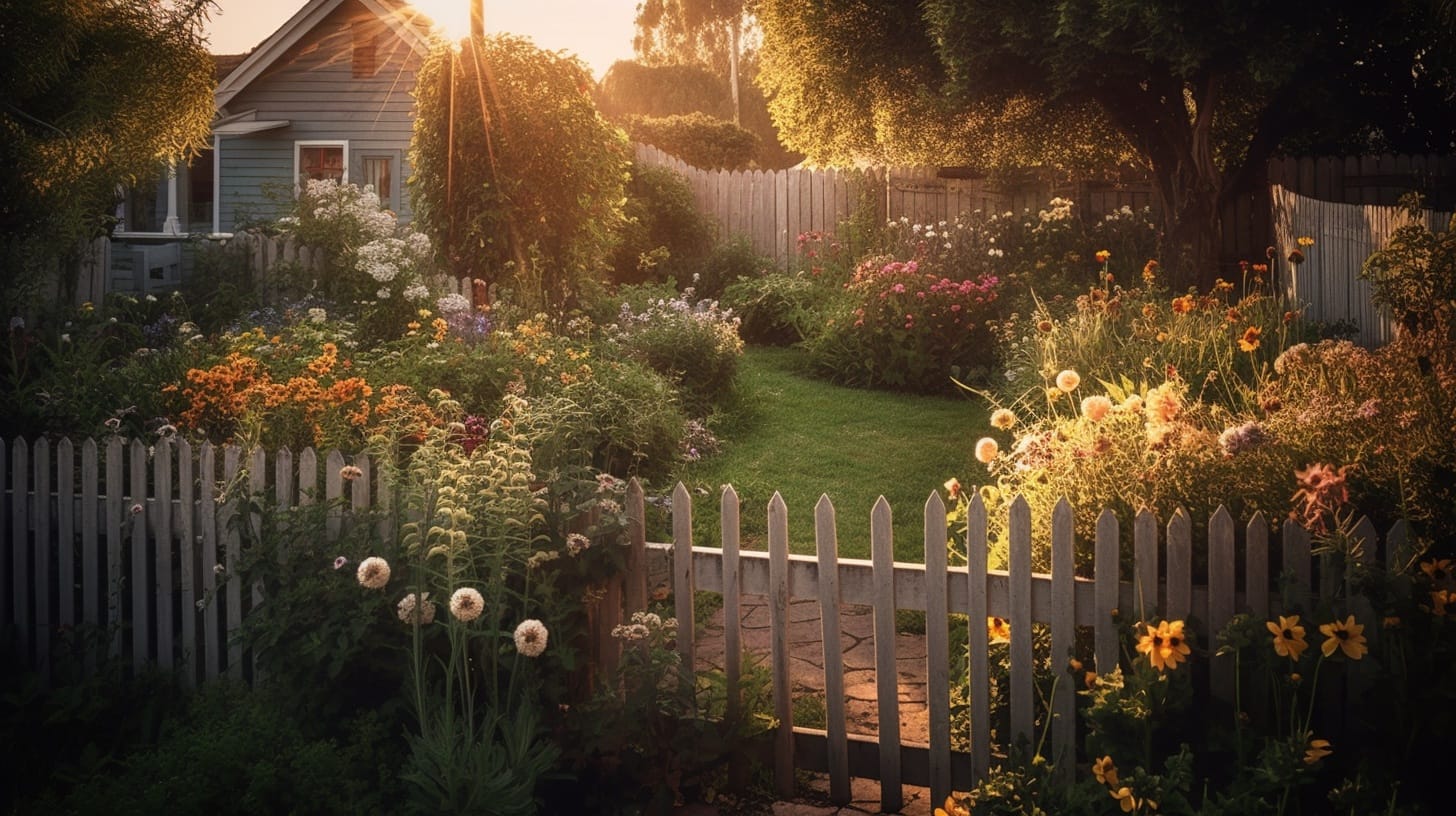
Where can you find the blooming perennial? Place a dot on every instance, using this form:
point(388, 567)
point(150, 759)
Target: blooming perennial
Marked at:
point(466, 604)
point(1346, 636)
point(530, 637)
point(1164, 644)
point(373, 573)
point(986, 450)
point(416, 610)
point(1288, 637)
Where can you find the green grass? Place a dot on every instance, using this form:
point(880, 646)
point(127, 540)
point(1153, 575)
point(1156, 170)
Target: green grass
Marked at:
point(804, 437)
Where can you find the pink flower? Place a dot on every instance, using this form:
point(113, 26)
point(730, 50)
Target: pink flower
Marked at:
point(136, 509)
point(340, 562)
point(1096, 407)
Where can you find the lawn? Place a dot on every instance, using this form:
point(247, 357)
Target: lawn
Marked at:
point(805, 437)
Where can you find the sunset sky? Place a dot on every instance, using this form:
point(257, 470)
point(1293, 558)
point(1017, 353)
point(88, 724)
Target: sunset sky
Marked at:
point(598, 31)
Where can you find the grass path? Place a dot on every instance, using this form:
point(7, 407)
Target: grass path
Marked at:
point(805, 437)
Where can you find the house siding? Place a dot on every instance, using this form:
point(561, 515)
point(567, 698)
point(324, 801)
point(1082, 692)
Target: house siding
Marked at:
point(314, 88)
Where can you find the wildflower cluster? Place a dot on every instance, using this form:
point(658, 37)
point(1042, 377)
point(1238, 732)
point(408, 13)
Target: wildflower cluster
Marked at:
point(694, 343)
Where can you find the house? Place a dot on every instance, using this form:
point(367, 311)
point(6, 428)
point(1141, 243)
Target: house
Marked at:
point(327, 95)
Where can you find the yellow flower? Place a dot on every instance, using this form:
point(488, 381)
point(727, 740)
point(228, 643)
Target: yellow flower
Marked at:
point(1164, 644)
point(1288, 637)
point(1105, 771)
point(1437, 569)
point(1102, 256)
point(1440, 600)
point(1250, 341)
point(1304, 241)
point(998, 630)
point(1344, 635)
point(952, 808)
point(1318, 749)
point(1125, 799)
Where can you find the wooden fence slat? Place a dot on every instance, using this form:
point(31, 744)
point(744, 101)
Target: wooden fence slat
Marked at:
point(141, 624)
point(778, 568)
point(257, 483)
point(937, 646)
point(41, 555)
point(114, 531)
point(1063, 624)
point(979, 658)
point(1294, 543)
point(91, 588)
point(683, 589)
point(887, 680)
point(1180, 566)
point(20, 545)
point(65, 531)
point(333, 492)
point(1023, 696)
point(1256, 566)
point(1106, 568)
point(211, 518)
point(826, 545)
point(7, 578)
point(189, 654)
point(1145, 565)
point(728, 507)
point(232, 543)
point(1221, 590)
point(636, 570)
point(162, 506)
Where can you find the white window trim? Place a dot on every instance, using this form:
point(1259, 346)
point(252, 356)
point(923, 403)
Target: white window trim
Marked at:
point(298, 156)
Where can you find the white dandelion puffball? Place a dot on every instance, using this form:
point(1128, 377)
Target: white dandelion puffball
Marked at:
point(531, 638)
point(466, 604)
point(373, 572)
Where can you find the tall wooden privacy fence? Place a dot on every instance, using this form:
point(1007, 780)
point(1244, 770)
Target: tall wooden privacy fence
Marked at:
point(1328, 283)
point(129, 537)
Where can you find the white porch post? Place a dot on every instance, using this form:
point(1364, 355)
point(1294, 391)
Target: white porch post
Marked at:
point(216, 184)
point(172, 226)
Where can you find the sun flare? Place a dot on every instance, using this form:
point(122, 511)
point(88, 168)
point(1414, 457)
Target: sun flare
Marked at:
point(452, 17)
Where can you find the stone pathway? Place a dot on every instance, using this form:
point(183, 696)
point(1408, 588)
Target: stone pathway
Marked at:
point(806, 674)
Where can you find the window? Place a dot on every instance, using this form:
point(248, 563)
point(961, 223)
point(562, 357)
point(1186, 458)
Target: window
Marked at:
point(321, 160)
point(379, 172)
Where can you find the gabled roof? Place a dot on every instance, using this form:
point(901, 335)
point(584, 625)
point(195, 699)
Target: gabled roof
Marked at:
point(223, 64)
point(407, 22)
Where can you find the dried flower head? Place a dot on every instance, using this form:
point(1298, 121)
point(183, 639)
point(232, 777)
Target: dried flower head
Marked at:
point(530, 637)
point(416, 610)
point(1096, 407)
point(1003, 419)
point(373, 573)
point(986, 450)
point(1068, 380)
point(466, 604)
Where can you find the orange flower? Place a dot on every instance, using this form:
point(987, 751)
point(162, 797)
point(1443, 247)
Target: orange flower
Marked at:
point(1250, 341)
point(1150, 272)
point(1165, 645)
point(1105, 771)
point(998, 630)
point(1183, 305)
point(1345, 636)
point(1288, 637)
point(1102, 256)
point(1317, 749)
point(1437, 569)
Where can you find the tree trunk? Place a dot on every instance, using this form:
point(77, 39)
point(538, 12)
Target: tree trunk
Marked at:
point(733, 34)
point(1189, 188)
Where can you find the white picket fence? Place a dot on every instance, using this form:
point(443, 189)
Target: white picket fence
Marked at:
point(1328, 283)
point(130, 537)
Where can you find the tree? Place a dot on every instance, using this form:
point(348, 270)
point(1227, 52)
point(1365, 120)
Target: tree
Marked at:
point(1203, 93)
point(688, 31)
point(94, 94)
point(515, 173)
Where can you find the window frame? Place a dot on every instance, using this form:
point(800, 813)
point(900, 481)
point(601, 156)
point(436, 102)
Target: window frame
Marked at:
point(298, 147)
point(393, 157)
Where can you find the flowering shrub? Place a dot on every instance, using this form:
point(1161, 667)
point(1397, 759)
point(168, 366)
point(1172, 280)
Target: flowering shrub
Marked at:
point(904, 328)
point(694, 343)
point(375, 269)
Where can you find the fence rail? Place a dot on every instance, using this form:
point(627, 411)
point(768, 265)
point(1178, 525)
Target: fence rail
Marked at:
point(130, 537)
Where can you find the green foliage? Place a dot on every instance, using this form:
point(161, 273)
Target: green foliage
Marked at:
point(692, 343)
point(528, 174)
point(236, 752)
point(1414, 275)
point(631, 88)
point(698, 139)
point(97, 93)
point(730, 261)
point(776, 309)
point(663, 235)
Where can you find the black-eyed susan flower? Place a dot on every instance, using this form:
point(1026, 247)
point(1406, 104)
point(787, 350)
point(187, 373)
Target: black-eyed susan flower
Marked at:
point(1250, 341)
point(1441, 601)
point(1346, 636)
point(952, 808)
point(1437, 569)
point(1105, 771)
point(1164, 644)
point(1288, 637)
point(1316, 750)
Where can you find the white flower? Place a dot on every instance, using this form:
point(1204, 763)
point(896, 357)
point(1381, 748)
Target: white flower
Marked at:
point(531, 637)
point(576, 542)
point(466, 604)
point(373, 573)
point(416, 292)
point(340, 562)
point(151, 298)
point(65, 338)
point(419, 611)
point(17, 323)
point(452, 303)
point(383, 293)
point(317, 315)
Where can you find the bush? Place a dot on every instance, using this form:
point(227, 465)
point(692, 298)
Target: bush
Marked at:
point(777, 309)
point(730, 261)
point(663, 236)
point(900, 327)
point(1414, 276)
point(693, 344)
point(632, 89)
point(700, 140)
point(544, 175)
